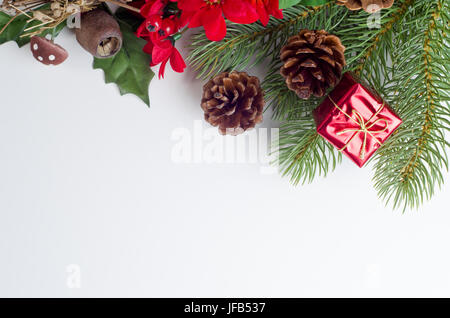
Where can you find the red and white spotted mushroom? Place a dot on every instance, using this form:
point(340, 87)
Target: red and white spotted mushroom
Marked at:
point(47, 52)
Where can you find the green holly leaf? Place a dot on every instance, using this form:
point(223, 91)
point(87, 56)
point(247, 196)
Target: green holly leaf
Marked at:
point(16, 28)
point(130, 67)
point(289, 3)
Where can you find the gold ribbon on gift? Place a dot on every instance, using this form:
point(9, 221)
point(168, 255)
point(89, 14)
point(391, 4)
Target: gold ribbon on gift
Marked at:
point(364, 127)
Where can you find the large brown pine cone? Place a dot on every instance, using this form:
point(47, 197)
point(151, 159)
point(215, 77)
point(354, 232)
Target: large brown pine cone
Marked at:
point(312, 62)
point(233, 101)
point(369, 6)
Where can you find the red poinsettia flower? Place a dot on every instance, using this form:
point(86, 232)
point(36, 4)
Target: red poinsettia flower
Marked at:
point(163, 51)
point(210, 14)
point(266, 8)
point(152, 7)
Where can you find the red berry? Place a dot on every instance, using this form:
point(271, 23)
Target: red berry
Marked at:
point(154, 23)
point(168, 27)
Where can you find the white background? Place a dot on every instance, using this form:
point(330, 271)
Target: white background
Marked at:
point(86, 178)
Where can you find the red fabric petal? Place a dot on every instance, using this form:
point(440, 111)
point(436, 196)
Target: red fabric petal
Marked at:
point(177, 62)
point(196, 19)
point(274, 10)
point(185, 17)
point(162, 69)
point(263, 14)
point(239, 11)
point(142, 31)
point(148, 48)
point(161, 53)
point(214, 23)
point(157, 7)
point(191, 5)
point(145, 9)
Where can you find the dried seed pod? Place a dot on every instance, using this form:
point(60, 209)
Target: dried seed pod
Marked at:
point(99, 34)
point(55, 6)
point(47, 52)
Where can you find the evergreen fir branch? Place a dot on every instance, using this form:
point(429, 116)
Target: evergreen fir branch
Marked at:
point(406, 60)
point(409, 166)
point(395, 16)
point(246, 46)
point(303, 153)
point(360, 43)
point(408, 65)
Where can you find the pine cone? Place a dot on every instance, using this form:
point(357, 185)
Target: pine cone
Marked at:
point(233, 101)
point(370, 6)
point(312, 62)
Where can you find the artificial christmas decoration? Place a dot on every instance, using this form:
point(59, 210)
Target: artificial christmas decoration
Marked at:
point(161, 28)
point(403, 53)
point(370, 6)
point(99, 34)
point(160, 23)
point(42, 16)
point(355, 120)
point(47, 52)
point(211, 15)
point(267, 8)
point(403, 59)
point(312, 62)
point(233, 101)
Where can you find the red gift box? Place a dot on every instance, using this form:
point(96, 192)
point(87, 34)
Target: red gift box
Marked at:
point(355, 120)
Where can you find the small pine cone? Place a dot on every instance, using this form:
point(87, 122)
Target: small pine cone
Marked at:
point(312, 62)
point(234, 102)
point(370, 6)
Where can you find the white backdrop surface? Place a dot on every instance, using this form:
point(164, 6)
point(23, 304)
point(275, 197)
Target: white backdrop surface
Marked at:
point(92, 204)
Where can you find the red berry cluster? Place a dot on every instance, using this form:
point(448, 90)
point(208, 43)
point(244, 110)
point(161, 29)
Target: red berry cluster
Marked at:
point(161, 28)
point(165, 20)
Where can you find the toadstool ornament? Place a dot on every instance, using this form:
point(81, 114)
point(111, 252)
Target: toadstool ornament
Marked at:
point(47, 52)
point(99, 34)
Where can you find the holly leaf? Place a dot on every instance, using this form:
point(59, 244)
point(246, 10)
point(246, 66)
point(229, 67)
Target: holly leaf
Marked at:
point(289, 3)
point(16, 28)
point(130, 67)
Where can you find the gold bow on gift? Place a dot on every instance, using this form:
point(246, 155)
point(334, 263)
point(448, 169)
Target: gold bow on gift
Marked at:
point(364, 127)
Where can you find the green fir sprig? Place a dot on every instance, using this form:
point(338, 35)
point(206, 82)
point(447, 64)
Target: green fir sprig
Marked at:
point(406, 59)
point(248, 45)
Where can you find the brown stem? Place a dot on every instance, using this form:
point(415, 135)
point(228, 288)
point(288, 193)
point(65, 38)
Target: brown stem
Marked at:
point(123, 5)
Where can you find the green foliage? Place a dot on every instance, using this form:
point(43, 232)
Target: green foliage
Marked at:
point(409, 166)
point(16, 28)
point(407, 60)
point(304, 154)
point(288, 3)
point(247, 45)
point(130, 68)
point(284, 4)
